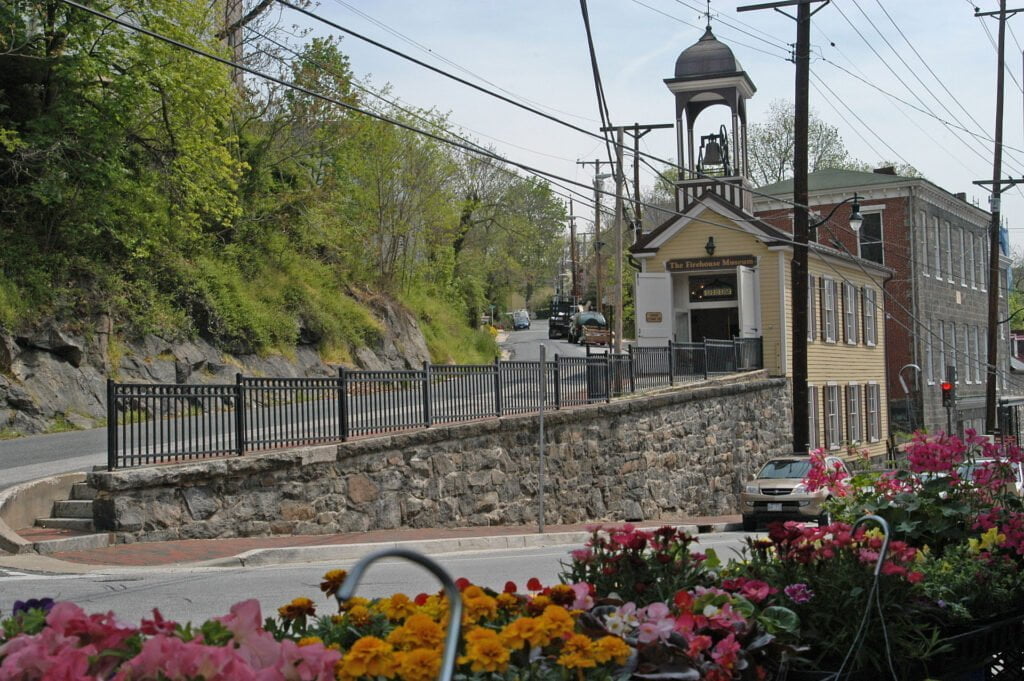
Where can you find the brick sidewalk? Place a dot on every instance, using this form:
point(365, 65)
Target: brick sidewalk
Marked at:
point(198, 550)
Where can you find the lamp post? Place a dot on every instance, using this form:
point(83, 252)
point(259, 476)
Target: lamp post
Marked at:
point(801, 420)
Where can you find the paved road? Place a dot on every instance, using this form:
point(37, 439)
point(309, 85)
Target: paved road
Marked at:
point(195, 594)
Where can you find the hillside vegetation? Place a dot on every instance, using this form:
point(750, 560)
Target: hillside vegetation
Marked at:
point(143, 182)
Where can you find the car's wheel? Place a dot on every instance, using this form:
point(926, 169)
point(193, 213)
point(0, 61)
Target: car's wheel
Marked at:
point(749, 523)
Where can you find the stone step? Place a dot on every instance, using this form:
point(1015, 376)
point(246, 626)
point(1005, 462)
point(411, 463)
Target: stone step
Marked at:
point(73, 508)
point(79, 542)
point(83, 524)
point(81, 490)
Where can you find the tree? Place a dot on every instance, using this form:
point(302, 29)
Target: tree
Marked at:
point(770, 145)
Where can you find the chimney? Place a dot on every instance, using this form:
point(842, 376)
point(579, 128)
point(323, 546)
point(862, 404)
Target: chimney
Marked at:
point(960, 195)
point(886, 170)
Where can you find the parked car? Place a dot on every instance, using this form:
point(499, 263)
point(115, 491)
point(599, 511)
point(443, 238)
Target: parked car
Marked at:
point(1014, 474)
point(520, 320)
point(589, 328)
point(778, 492)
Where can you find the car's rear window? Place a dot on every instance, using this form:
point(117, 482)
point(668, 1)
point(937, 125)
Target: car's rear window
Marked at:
point(593, 318)
point(785, 469)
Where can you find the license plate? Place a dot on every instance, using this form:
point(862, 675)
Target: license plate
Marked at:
point(774, 508)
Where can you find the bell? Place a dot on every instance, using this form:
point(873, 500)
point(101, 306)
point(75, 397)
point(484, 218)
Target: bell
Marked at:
point(713, 153)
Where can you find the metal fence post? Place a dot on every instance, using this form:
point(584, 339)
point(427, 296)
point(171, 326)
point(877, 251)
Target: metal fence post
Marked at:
point(608, 376)
point(707, 360)
point(343, 403)
point(671, 365)
point(558, 384)
point(239, 415)
point(111, 424)
point(497, 388)
point(426, 395)
point(633, 383)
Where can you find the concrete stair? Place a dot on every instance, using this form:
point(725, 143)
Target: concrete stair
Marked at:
point(70, 526)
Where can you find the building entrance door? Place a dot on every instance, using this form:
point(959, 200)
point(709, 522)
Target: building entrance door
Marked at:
point(716, 323)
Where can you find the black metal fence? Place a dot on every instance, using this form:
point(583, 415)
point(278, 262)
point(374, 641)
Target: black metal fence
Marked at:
point(155, 423)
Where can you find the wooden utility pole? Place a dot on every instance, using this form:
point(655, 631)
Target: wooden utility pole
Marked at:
point(801, 418)
point(994, 279)
point(573, 255)
point(619, 181)
point(599, 306)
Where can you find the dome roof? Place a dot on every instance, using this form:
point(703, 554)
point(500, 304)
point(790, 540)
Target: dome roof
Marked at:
point(706, 57)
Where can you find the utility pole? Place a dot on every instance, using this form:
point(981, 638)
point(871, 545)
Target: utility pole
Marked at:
point(801, 420)
point(994, 280)
point(619, 181)
point(597, 226)
point(573, 255)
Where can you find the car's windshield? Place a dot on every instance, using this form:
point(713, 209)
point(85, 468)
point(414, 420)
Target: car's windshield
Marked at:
point(785, 469)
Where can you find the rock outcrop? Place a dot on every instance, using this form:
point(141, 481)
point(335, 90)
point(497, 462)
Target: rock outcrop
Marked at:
point(51, 377)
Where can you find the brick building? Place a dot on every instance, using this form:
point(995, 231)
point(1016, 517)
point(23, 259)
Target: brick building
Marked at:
point(936, 304)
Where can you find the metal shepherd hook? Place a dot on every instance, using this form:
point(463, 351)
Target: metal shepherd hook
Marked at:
point(451, 639)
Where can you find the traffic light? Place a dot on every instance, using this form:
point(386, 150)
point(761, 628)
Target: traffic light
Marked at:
point(948, 393)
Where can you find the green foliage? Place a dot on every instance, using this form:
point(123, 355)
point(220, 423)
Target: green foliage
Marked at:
point(140, 182)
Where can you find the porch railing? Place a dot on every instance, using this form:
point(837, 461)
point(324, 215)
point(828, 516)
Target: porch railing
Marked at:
point(155, 423)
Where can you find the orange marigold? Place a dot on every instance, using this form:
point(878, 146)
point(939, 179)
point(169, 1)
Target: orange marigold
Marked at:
point(299, 607)
point(419, 631)
point(435, 607)
point(507, 601)
point(556, 622)
point(353, 602)
point(309, 640)
point(478, 608)
point(369, 656)
point(332, 581)
point(519, 633)
point(421, 664)
point(484, 651)
point(396, 608)
point(576, 653)
point(610, 648)
point(359, 616)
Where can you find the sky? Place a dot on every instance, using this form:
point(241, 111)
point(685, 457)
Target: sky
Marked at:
point(934, 55)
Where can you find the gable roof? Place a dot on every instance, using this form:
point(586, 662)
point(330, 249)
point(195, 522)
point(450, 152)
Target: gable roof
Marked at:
point(708, 201)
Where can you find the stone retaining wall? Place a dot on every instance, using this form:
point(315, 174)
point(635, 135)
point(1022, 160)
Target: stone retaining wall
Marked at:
point(684, 451)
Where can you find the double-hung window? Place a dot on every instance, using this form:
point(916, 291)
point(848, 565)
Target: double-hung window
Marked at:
point(982, 264)
point(849, 313)
point(870, 326)
point(972, 263)
point(936, 249)
point(828, 310)
point(979, 362)
point(832, 434)
point(869, 238)
point(874, 417)
point(947, 233)
point(963, 256)
point(942, 351)
point(853, 417)
point(812, 316)
point(929, 366)
point(813, 431)
point(955, 360)
point(922, 228)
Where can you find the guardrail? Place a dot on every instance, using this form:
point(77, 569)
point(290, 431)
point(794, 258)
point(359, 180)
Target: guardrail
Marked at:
point(158, 423)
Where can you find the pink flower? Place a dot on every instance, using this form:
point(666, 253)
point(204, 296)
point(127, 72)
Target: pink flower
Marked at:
point(726, 652)
point(158, 625)
point(799, 593)
point(584, 600)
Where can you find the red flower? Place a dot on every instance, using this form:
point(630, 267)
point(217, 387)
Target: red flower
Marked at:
point(534, 584)
point(510, 587)
point(461, 583)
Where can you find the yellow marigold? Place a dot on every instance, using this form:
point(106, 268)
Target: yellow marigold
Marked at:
point(369, 656)
point(576, 653)
point(299, 607)
point(396, 608)
point(610, 648)
point(332, 581)
point(484, 651)
point(476, 609)
point(434, 607)
point(309, 640)
point(508, 602)
point(537, 604)
point(519, 633)
point(562, 594)
point(353, 602)
point(337, 619)
point(473, 591)
point(359, 616)
point(421, 664)
point(556, 622)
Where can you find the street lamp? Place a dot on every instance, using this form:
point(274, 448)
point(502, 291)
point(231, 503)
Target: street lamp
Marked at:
point(856, 219)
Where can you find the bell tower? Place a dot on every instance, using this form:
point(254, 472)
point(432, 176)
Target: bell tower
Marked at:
point(707, 74)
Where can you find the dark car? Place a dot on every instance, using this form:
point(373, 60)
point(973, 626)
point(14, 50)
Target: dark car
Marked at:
point(589, 327)
point(520, 320)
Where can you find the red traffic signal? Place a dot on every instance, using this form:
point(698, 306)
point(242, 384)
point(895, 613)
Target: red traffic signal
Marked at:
point(948, 394)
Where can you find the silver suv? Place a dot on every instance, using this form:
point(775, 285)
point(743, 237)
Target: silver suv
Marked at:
point(778, 492)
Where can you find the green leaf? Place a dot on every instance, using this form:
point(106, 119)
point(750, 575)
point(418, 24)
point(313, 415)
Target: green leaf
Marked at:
point(777, 618)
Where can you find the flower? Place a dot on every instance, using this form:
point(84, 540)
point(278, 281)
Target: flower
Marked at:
point(610, 648)
point(44, 604)
point(369, 656)
point(484, 651)
point(576, 653)
point(333, 579)
point(396, 608)
point(299, 607)
point(421, 664)
point(799, 593)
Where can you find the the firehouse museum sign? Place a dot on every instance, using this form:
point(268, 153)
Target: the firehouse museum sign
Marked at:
point(696, 264)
